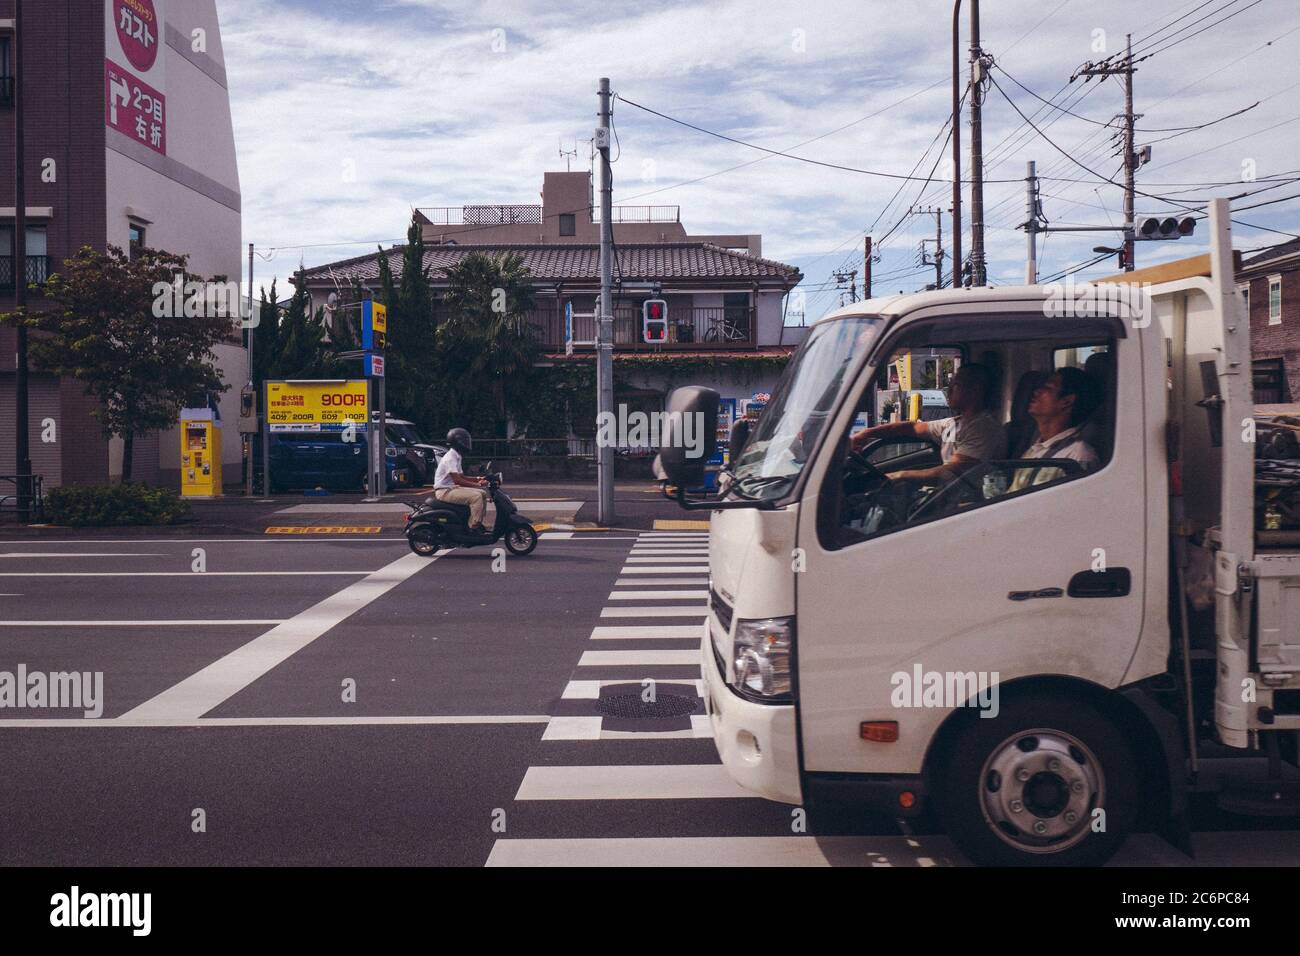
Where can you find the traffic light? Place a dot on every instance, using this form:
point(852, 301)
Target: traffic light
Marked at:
point(1154, 227)
point(654, 321)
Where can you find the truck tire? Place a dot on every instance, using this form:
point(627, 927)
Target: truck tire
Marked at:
point(1025, 788)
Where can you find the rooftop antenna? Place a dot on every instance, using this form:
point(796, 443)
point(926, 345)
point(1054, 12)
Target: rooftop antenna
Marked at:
point(569, 155)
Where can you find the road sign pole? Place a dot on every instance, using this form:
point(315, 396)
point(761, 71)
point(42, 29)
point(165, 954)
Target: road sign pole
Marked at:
point(266, 440)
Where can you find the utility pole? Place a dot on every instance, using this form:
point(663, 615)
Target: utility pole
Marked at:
point(1124, 68)
point(956, 147)
point(851, 278)
point(978, 276)
point(22, 448)
point(605, 320)
point(1033, 212)
point(866, 269)
point(939, 255)
point(249, 329)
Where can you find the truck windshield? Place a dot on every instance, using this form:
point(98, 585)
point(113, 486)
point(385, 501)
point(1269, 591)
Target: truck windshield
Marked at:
point(787, 429)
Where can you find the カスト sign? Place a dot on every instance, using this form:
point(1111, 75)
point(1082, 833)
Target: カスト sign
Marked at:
point(316, 406)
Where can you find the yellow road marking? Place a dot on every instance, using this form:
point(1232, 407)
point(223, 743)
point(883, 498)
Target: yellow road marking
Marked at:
point(326, 529)
point(680, 524)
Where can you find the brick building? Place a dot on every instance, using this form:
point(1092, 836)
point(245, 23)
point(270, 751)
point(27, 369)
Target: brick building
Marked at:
point(128, 142)
point(1270, 282)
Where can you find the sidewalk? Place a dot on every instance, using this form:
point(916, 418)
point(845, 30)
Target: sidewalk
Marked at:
point(637, 505)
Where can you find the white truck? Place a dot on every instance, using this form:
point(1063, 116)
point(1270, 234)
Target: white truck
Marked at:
point(1047, 654)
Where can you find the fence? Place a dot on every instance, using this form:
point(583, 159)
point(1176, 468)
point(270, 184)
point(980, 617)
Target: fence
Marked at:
point(23, 497)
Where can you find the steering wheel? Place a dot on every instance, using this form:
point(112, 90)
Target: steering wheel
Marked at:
point(945, 491)
point(873, 477)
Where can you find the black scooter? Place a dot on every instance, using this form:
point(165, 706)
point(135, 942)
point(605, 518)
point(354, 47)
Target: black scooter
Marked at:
point(436, 525)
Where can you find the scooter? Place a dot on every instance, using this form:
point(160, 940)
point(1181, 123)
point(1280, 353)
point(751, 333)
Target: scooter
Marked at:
point(436, 525)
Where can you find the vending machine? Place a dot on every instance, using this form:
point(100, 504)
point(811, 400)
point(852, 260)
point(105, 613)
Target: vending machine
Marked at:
point(200, 453)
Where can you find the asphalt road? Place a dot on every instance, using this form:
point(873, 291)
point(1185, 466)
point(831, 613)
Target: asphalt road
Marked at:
point(341, 701)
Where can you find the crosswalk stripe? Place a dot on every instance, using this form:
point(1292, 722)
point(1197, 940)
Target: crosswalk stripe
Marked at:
point(658, 595)
point(637, 658)
point(691, 563)
point(635, 581)
point(774, 851)
point(648, 782)
point(641, 631)
point(640, 550)
point(701, 612)
point(573, 728)
point(663, 569)
point(590, 689)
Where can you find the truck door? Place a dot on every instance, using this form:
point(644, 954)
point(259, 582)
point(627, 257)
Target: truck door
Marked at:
point(1022, 574)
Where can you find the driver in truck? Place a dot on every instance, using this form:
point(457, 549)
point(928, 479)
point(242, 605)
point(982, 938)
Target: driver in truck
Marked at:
point(970, 436)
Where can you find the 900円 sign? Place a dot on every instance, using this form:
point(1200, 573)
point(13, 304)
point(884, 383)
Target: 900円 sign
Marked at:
point(316, 406)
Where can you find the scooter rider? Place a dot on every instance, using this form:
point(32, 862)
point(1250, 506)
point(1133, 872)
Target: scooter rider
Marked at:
point(450, 485)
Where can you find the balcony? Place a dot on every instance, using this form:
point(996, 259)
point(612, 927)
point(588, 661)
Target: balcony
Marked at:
point(640, 214)
point(483, 215)
point(716, 327)
point(38, 270)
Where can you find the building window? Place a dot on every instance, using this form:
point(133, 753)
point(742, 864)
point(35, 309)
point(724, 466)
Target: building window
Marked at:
point(1244, 291)
point(6, 71)
point(1269, 379)
point(136, 243)
point(1274, 300)
point(38, 260)
point(568, 224)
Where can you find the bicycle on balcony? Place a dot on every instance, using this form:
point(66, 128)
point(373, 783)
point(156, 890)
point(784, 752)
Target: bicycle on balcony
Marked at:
point(726, 330)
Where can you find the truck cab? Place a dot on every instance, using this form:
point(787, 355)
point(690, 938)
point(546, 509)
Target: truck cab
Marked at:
point(1005, 643)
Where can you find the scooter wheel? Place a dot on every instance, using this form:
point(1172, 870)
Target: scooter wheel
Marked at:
point(423, 542)
point(521, 540)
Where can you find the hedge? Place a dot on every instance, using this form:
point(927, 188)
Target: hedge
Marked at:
point(105, 505)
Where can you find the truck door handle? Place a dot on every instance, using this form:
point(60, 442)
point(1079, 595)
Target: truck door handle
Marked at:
point(1113, 582)
point(1030, 595)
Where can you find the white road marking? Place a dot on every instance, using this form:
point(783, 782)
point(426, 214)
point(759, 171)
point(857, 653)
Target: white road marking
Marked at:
point(558, 535)
point(700, 612)
point(658, 595)
point(648, 782)
point(125, 721)
point(590, 689)
point(664, 569)
point(774, 851)
point(642, 551)
point(346, 509)
point(82, 554)
point(193, 622)
point(589, 728)
point(686, 563)
point(638, 658)
point(573, 728)
point(176, 574)
point(642, 581)
point(199, 693)
point(643, 631)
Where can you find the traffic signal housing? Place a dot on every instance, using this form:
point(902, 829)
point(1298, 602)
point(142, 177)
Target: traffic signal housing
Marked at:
point(654, 321)
point(1154, 227)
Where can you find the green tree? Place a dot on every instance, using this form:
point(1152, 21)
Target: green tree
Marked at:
point(415, 388)
point(104, 328)
point(484, 343)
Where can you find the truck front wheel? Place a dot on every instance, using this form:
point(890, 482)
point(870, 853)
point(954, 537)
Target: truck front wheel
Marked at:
point(1047, 782)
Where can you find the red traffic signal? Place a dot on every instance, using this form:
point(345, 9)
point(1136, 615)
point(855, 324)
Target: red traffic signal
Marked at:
point(654, 321)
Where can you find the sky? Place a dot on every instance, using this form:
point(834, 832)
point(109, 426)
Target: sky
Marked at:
point(349, 113)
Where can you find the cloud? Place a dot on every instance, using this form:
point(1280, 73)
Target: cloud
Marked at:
point(347, 114)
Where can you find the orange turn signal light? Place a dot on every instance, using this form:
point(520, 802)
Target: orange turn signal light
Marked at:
point(907, 799)
point(879, 731)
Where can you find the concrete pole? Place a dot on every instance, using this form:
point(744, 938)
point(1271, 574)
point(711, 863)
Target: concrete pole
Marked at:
point(1031, 223)
point(1129, 167)
point(866, 270)
point(956, 146)
point(977, 270)
point(250, 330)
point(605, 324)
point(22, 448)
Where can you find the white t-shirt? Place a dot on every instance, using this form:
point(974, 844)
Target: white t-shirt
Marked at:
point(1068, 444)
point(977, 436)
point(449, 465)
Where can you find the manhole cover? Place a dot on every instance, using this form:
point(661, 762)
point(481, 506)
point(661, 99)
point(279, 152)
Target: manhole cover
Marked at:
point(632, 707)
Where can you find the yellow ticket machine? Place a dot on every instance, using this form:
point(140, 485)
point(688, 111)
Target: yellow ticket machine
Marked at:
point(200, 453)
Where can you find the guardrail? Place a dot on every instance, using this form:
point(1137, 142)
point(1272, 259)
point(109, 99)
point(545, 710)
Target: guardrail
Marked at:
point(22, 496)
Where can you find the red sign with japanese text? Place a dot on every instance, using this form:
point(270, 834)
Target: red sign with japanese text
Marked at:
point(134, 108)
point(138, 30)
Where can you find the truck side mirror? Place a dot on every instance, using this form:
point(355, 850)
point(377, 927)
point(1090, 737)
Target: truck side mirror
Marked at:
point(690, 434)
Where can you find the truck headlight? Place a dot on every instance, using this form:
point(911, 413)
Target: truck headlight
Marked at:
point(761, 653)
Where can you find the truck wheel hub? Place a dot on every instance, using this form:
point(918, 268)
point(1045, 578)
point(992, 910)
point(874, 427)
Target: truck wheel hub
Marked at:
point(1038, 790)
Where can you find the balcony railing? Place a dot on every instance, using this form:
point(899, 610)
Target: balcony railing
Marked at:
point(640, 214)
point(38, 270)
point(483, 215)
point(695, 328)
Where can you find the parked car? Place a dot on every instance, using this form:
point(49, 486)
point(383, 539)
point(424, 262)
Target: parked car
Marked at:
point(301, 460)
point(406, 441)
